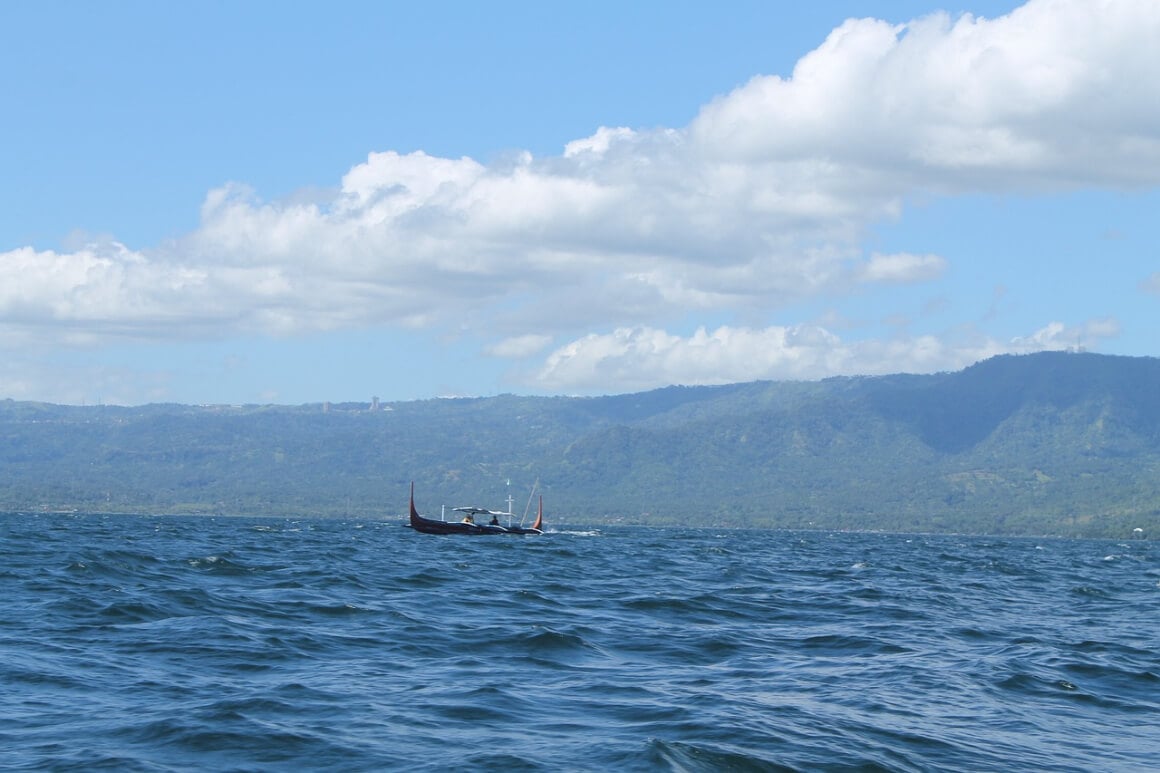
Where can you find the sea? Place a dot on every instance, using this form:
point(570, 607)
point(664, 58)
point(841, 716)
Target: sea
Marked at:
point(160, 643)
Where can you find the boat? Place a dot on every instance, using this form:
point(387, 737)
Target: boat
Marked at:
point(468, 525)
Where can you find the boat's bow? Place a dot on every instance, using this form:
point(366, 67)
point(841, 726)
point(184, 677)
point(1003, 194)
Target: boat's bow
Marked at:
point(416, 519)
point(433, 526)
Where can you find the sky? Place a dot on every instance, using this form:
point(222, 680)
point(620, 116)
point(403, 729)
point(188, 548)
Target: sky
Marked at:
point(291, 202)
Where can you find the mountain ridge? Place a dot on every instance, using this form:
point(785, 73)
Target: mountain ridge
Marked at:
point(1047, 443)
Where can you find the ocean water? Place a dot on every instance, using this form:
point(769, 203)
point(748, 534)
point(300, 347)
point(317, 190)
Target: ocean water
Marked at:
point(135, 643)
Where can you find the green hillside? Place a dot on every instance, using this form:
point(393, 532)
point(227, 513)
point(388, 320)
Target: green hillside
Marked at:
point(1050, 443)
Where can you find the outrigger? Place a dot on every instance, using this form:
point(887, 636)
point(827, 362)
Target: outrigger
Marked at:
point(468, 524)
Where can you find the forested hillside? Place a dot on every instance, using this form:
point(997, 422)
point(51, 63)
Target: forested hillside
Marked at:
point(1050, 443)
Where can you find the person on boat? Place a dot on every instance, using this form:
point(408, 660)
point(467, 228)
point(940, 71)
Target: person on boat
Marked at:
point(494, 521)
point(469, 518)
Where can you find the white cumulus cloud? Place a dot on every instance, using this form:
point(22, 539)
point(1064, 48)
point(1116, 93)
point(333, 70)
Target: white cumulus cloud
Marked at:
point(647, 358)
point(903, 268)
point(764, 200)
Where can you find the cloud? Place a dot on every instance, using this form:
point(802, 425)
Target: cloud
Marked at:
point(903, 268)
point(1056, 93)
point(72, 382)
point(1151, 285)
point(763, 201)
point(97, 291)
point(646, 358)
point(519, 347)
point(1057, 336)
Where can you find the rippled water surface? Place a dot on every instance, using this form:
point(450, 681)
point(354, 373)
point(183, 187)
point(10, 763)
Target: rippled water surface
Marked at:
point(161, 643)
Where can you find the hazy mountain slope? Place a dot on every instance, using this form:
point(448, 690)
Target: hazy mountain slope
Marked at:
point(1045, 443)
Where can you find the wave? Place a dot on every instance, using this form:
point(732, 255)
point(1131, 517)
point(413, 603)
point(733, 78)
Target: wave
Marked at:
point(186, 643)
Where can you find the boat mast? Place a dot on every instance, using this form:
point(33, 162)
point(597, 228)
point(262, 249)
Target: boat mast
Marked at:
point(531, 496)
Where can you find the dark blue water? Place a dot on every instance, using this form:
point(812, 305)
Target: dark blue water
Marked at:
point(155, 644)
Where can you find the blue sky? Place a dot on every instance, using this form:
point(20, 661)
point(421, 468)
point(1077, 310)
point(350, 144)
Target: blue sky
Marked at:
point(272, 202)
